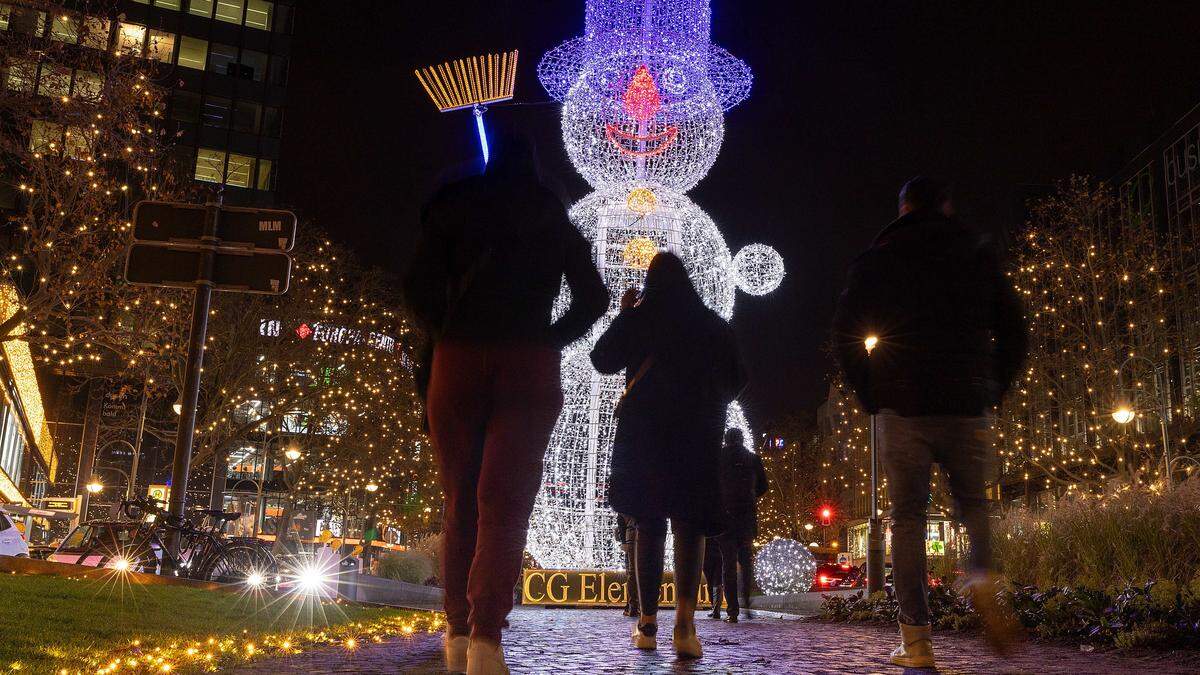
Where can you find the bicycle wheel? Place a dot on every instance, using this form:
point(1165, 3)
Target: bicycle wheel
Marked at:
point(236, 564)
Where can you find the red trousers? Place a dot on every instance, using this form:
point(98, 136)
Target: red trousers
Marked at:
point(491, 409)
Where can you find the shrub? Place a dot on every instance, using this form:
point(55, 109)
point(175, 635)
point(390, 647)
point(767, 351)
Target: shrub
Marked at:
point(410, 566)
point(1128, 537)
point(431, 546)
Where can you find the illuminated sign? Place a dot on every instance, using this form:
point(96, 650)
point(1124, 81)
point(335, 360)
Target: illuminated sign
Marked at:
point(591, 588)
point(324, 332)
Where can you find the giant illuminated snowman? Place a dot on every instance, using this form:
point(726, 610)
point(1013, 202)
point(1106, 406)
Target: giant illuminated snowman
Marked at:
point(644, 93)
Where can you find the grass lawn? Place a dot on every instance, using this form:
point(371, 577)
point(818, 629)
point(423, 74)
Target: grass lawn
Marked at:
point(54, 625)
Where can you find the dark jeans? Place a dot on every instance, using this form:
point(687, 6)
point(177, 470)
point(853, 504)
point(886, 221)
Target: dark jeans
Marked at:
point(651, 549)
point(908, 447)
point(736, 553)
point(712, 572)
point(631, 587)
point(491, 409)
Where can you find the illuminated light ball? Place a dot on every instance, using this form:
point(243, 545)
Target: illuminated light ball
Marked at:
point(759, 269)
point(642, 201)
point(785, 566)
point(639, 252)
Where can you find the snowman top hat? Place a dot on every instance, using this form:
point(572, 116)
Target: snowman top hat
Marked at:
point(671, 37)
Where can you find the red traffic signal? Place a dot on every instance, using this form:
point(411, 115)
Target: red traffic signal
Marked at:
point(826, 516)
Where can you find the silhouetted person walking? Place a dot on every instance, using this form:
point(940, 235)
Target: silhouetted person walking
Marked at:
point(626, 534)
point(948, 341)
point(743, 482)
point(492, 254)
point(713, 574)
point(666, 454)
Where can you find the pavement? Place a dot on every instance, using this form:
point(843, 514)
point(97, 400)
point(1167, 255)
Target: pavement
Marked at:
point(596, 641)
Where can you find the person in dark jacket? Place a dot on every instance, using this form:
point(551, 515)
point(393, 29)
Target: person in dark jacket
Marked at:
point(626, 535)
point(667, 449)
point(930, 336)
point(743, 483)
point(492, 254)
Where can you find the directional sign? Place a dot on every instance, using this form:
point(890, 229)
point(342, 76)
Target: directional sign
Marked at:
point(180, 223)
point(237, 270)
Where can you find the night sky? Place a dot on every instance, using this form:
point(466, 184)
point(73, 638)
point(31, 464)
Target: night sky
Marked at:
point(1002, 98)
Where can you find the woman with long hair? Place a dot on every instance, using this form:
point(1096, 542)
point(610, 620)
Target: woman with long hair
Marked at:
point(682, 371)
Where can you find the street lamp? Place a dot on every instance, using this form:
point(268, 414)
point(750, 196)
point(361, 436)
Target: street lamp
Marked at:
point(292, 454)
point(875, 543)
point(372, 486)
point(870, 343)
point(95, 486)
point(808, 527)
point(1123, 415)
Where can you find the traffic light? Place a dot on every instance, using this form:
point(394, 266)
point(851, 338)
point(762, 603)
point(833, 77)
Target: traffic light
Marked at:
point(826, 516)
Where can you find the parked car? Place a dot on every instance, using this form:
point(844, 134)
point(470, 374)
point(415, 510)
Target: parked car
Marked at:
point(12, 540)
point(831, 575)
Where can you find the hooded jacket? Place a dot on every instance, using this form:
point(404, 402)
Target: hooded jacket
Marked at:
point(950, 328)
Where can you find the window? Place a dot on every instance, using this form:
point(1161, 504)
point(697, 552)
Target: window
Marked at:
point(65, 28)
point(271, 121)
point(216, 112)
point(258, 14)
point(161, 46)
point(131, 39)
point(202, 8)
point(21, 76)
point(210, 165)
point(44, 137)
point(77, 143)
point(54, 81)
point(283, 19)
point(279, 69)
point(222, 59)
point(28, 21)
point(89, 86)
point(5, 16)
point(246, 116)
point(254, 65)
point(238, 173)
point(185, 106)
point(266, 178)
point(167, 4)
point(193, 52)
point(95, 32)
point(230, 10)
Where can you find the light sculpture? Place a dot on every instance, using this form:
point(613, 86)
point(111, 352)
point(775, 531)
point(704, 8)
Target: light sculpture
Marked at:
point(785, 566)
point(471, 83)
point(644, 93)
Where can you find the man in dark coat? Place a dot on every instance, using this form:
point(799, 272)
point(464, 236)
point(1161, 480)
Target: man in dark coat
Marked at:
point(930, 335)
point(743, 482)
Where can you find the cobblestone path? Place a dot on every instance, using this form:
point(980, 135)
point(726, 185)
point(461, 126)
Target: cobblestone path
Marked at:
point(596, 641)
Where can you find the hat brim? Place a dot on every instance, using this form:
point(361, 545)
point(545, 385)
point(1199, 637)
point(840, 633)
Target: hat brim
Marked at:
point(559, 69)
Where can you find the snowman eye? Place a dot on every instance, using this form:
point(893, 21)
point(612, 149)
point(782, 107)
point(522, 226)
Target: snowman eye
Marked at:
point(673, 81)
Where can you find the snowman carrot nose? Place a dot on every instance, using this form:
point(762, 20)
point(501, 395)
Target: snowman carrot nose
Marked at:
point(642, 101)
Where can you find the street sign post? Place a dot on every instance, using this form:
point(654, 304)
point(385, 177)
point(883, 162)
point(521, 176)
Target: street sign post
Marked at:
point(207, 248)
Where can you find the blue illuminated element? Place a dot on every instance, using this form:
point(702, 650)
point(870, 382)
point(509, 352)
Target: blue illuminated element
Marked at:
point(483, 143)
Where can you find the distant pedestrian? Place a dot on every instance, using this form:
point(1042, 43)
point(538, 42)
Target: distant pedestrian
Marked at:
point(491, 257)
point(743, 483)
point(626, 534)
point(666, 454)
point(713, 575)
point(930, 335)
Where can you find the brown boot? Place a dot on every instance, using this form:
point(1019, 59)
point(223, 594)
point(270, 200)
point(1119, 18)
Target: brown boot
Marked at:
point(1000, 626)
point(916, 647)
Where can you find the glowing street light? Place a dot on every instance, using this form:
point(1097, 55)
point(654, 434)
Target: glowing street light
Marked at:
point(870, 343)
point(1123, 415)
point(94, 486)
point(372, 487)
point(808, 527)
point(292, 454)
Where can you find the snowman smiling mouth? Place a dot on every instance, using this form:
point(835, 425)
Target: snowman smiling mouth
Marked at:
point(642, 103)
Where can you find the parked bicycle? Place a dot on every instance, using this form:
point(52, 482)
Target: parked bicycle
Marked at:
point(138, 544)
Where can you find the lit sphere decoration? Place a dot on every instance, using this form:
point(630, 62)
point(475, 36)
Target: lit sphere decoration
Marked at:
point(644, 93)
point(785, 566)
point(759, 269)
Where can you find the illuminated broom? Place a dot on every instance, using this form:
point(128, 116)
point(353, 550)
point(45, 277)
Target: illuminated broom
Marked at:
point(472, 82)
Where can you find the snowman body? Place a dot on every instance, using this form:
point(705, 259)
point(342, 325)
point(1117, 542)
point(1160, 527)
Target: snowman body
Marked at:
point(643, 122)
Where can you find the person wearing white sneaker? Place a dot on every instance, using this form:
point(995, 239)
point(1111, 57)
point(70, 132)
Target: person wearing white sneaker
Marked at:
point(456, 653)
point(485, 657)
point(682, 370)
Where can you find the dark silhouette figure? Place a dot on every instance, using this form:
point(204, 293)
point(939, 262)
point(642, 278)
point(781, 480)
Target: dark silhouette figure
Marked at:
point(491, 257)
point(713, 574)
point(743, 483)
point(626, 535)
point(667, 450)
point(930, 335)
